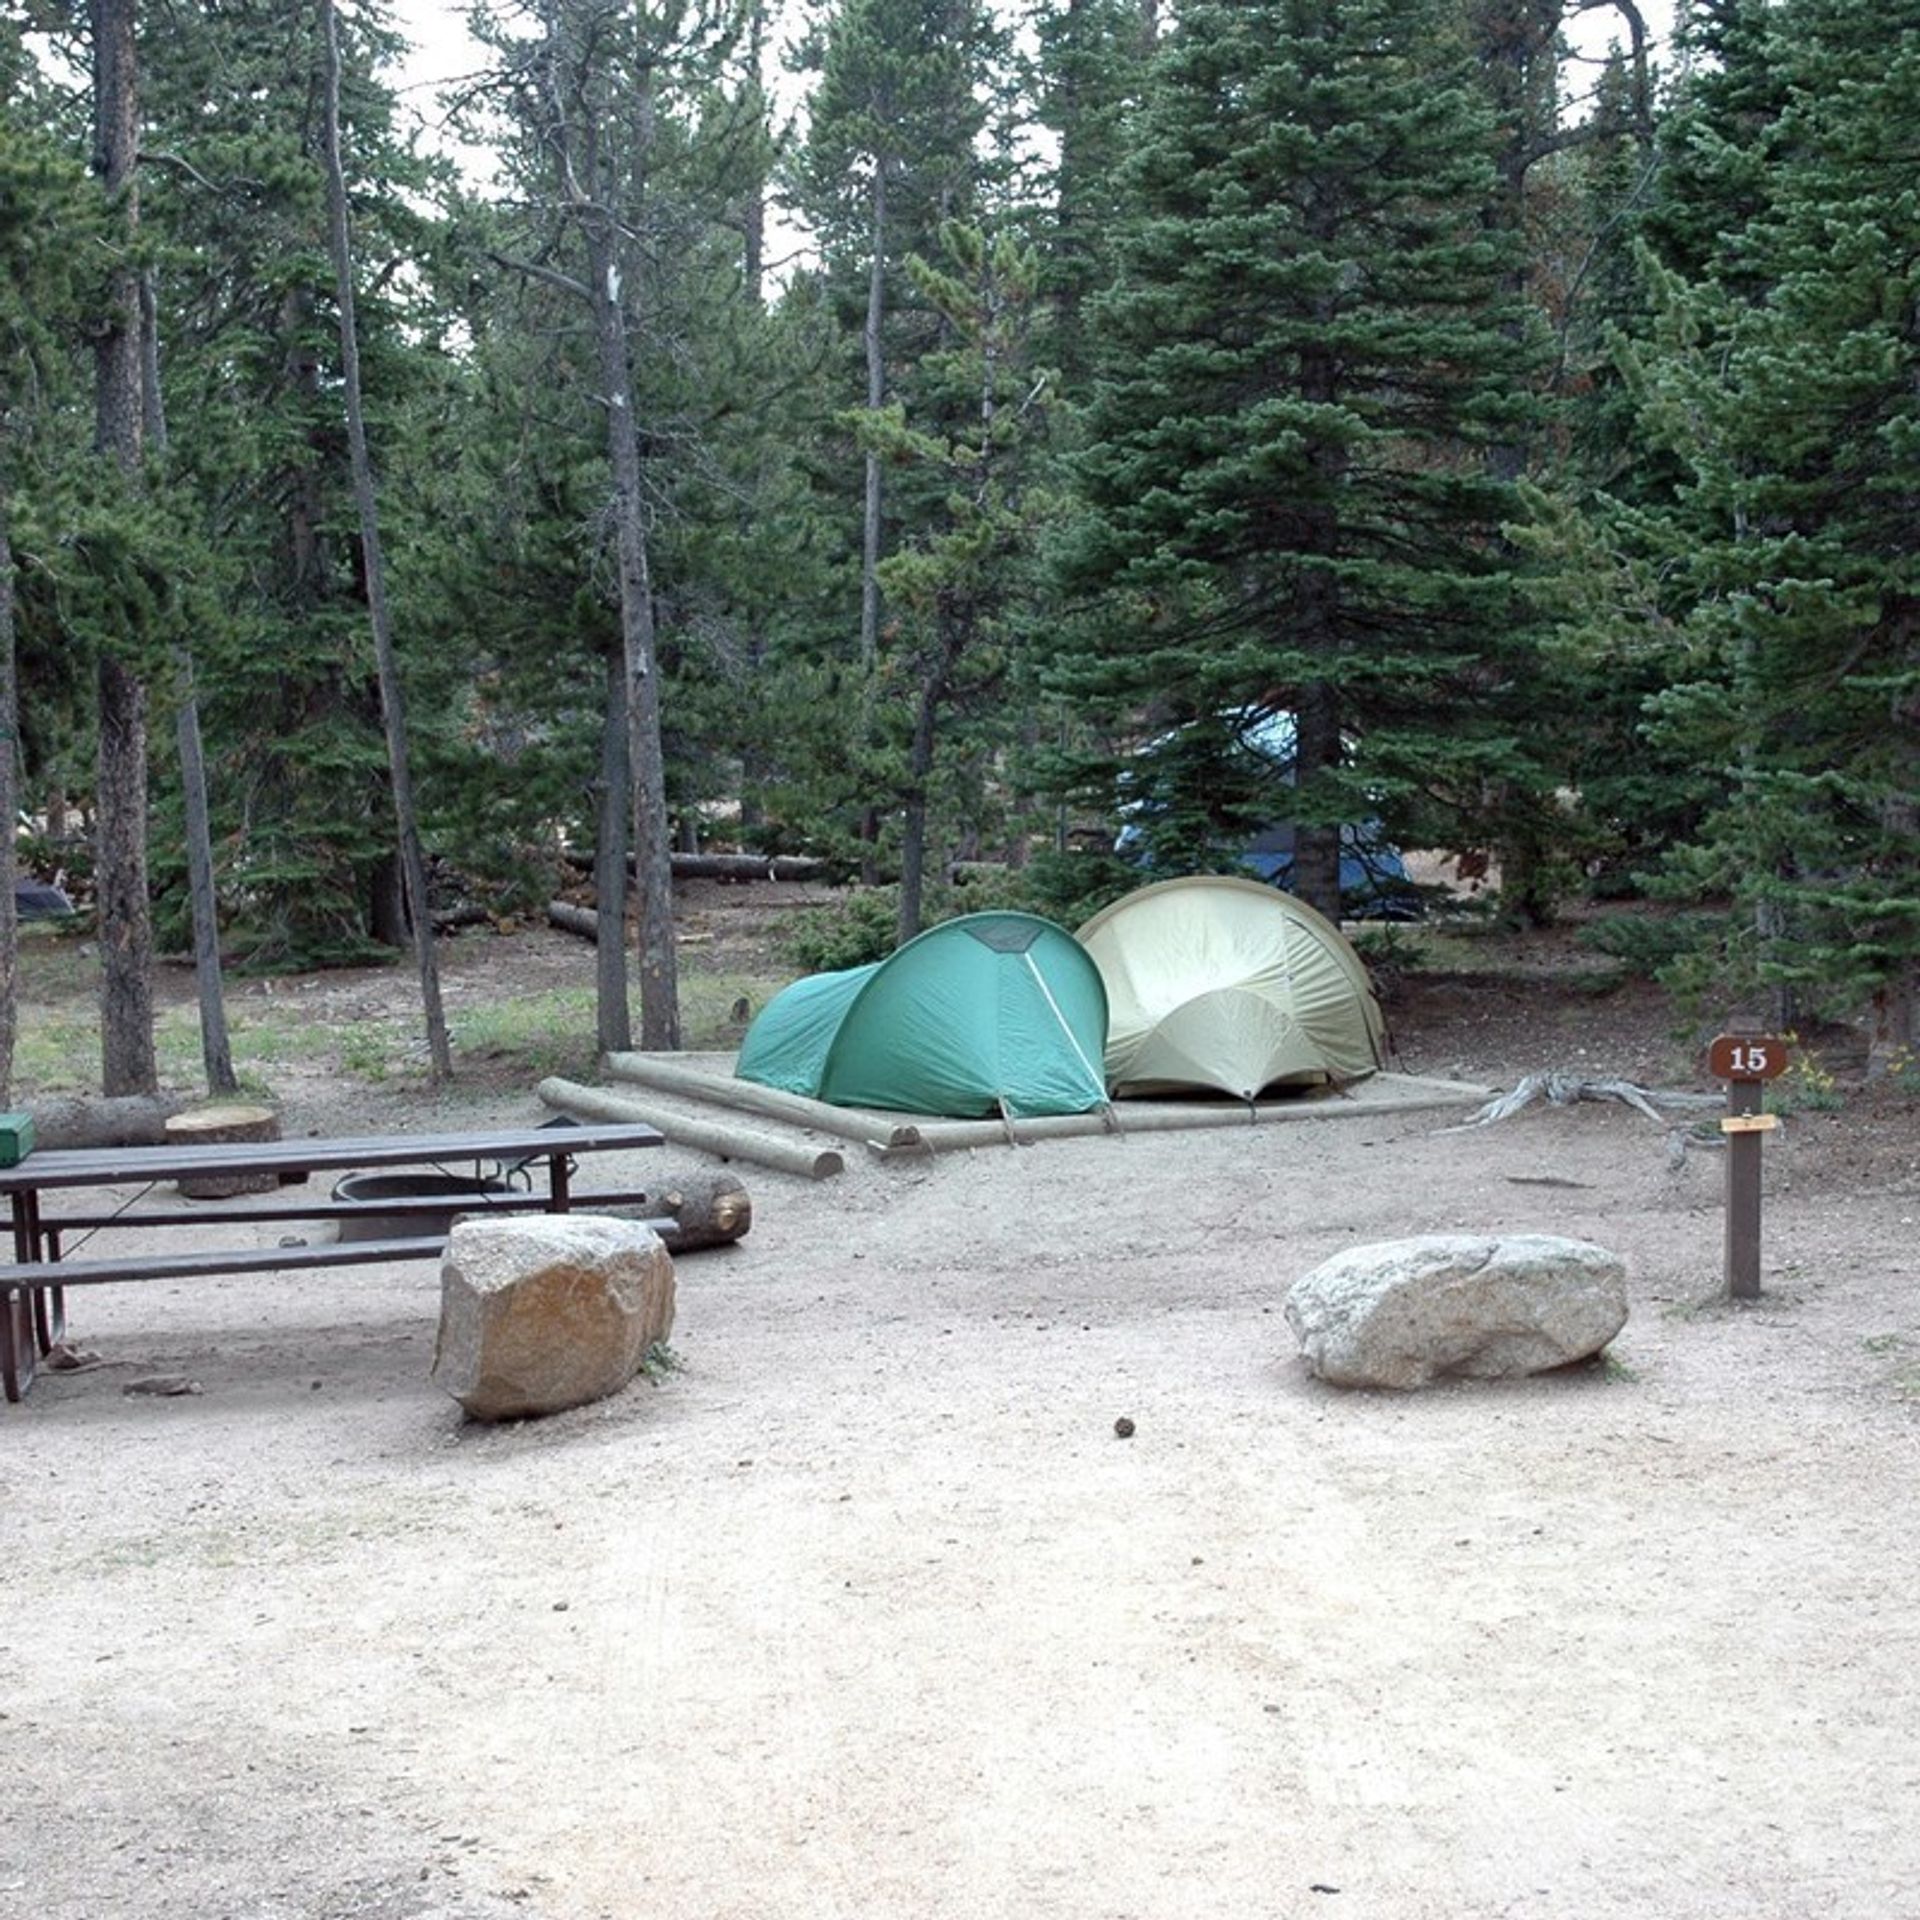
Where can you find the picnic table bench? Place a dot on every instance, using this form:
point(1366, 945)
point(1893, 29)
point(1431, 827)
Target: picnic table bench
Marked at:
point(33, 1285)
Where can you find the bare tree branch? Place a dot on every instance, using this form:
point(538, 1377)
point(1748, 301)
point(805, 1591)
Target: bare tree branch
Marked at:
point(550, 276)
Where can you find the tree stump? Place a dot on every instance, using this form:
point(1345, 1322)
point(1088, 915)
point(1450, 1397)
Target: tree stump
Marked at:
point(214, 1126)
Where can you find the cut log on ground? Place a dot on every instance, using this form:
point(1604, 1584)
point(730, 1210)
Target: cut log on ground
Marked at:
point(746, 866)
point(216, 1126)
point(570, 919)
point(470, 913)
point(724, 1143)
point(844, 1123)
point(705, 1210)
point(125, 1120)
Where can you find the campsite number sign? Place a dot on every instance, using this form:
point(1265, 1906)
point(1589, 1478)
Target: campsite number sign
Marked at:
point(1747, 1056)
point(1746, 1061)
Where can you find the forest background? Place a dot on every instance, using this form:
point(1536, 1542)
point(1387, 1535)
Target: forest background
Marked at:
point(1541, 440)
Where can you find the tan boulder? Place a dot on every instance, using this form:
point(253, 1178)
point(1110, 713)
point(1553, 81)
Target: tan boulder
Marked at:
point(543, 1312)
point(1400, 1313)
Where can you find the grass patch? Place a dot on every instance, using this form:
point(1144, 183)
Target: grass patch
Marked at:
point(369, 1052)
point(552, 1032)
point(57, 1053)
point(715, 1009)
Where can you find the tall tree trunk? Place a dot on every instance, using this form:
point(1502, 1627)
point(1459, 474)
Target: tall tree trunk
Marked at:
point(413, 864)
point(1317, 746)
point(646, 759)
point(1892, 1043)
point(872, 502)
point(613, 811)
point(127, 1061)
point(587, 194)
point(754, 222)
point(934, 684)
point(646, 756)
point(119, 390)
point(753, 761)
point(153, 410)
point(120, 822)
point(876, 398)
point(216, 1051)
point(9, 804)
point(1317, 750)
point(384, 891)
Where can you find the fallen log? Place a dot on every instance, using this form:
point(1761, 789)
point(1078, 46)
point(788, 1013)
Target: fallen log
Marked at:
point(707, 1210)
point(732, 866)
point(746, 866)
point(725, 1143)
point(571, 919)
point(120, 1120)
point(844, 1123)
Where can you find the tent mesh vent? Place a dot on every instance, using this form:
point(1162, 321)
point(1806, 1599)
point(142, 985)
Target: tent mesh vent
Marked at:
point(1008, 935)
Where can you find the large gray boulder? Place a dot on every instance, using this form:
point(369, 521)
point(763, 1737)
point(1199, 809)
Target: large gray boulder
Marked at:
point(547, 1311)
point(1400, 1313)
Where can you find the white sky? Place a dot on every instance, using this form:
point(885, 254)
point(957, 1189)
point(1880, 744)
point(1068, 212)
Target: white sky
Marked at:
point(443, 50)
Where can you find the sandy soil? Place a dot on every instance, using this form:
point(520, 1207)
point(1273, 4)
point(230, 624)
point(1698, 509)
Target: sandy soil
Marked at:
point(867, 1610)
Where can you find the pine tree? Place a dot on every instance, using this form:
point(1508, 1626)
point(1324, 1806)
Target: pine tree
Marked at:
point(634, 164)
point(892, 151)
point(42, 212)
point(1307, 359)
point(888, 156)
point(1092, 63)
point(373, 563)
point(959, 584)
point(1785, 383)
point(250, 350)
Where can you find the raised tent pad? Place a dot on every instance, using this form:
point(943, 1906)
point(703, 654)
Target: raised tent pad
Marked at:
point(1224, 985)
point(662, 1087)
point(993, 1013)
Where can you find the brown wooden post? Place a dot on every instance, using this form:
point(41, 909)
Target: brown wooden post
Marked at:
point(1746, 1061)
point(1743, 1193)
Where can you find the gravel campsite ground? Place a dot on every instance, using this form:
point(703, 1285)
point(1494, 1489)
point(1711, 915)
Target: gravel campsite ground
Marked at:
point(866, 1609)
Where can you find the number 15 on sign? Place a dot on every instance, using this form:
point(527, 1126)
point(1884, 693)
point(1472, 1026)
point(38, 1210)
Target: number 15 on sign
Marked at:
point(1747, 1056)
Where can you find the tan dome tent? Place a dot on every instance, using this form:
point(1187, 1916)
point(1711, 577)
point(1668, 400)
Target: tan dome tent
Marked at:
point(1222, 984)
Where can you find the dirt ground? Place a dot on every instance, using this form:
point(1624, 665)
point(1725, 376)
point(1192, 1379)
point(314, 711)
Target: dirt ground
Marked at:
point(866, 1610)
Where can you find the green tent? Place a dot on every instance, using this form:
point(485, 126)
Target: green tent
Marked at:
point(991, 1013)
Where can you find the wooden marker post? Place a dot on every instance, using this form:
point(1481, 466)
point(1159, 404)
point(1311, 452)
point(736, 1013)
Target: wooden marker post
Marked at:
point(1746, 1061)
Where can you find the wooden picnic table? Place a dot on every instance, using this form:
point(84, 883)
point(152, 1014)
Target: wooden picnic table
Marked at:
point(33, 1309)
